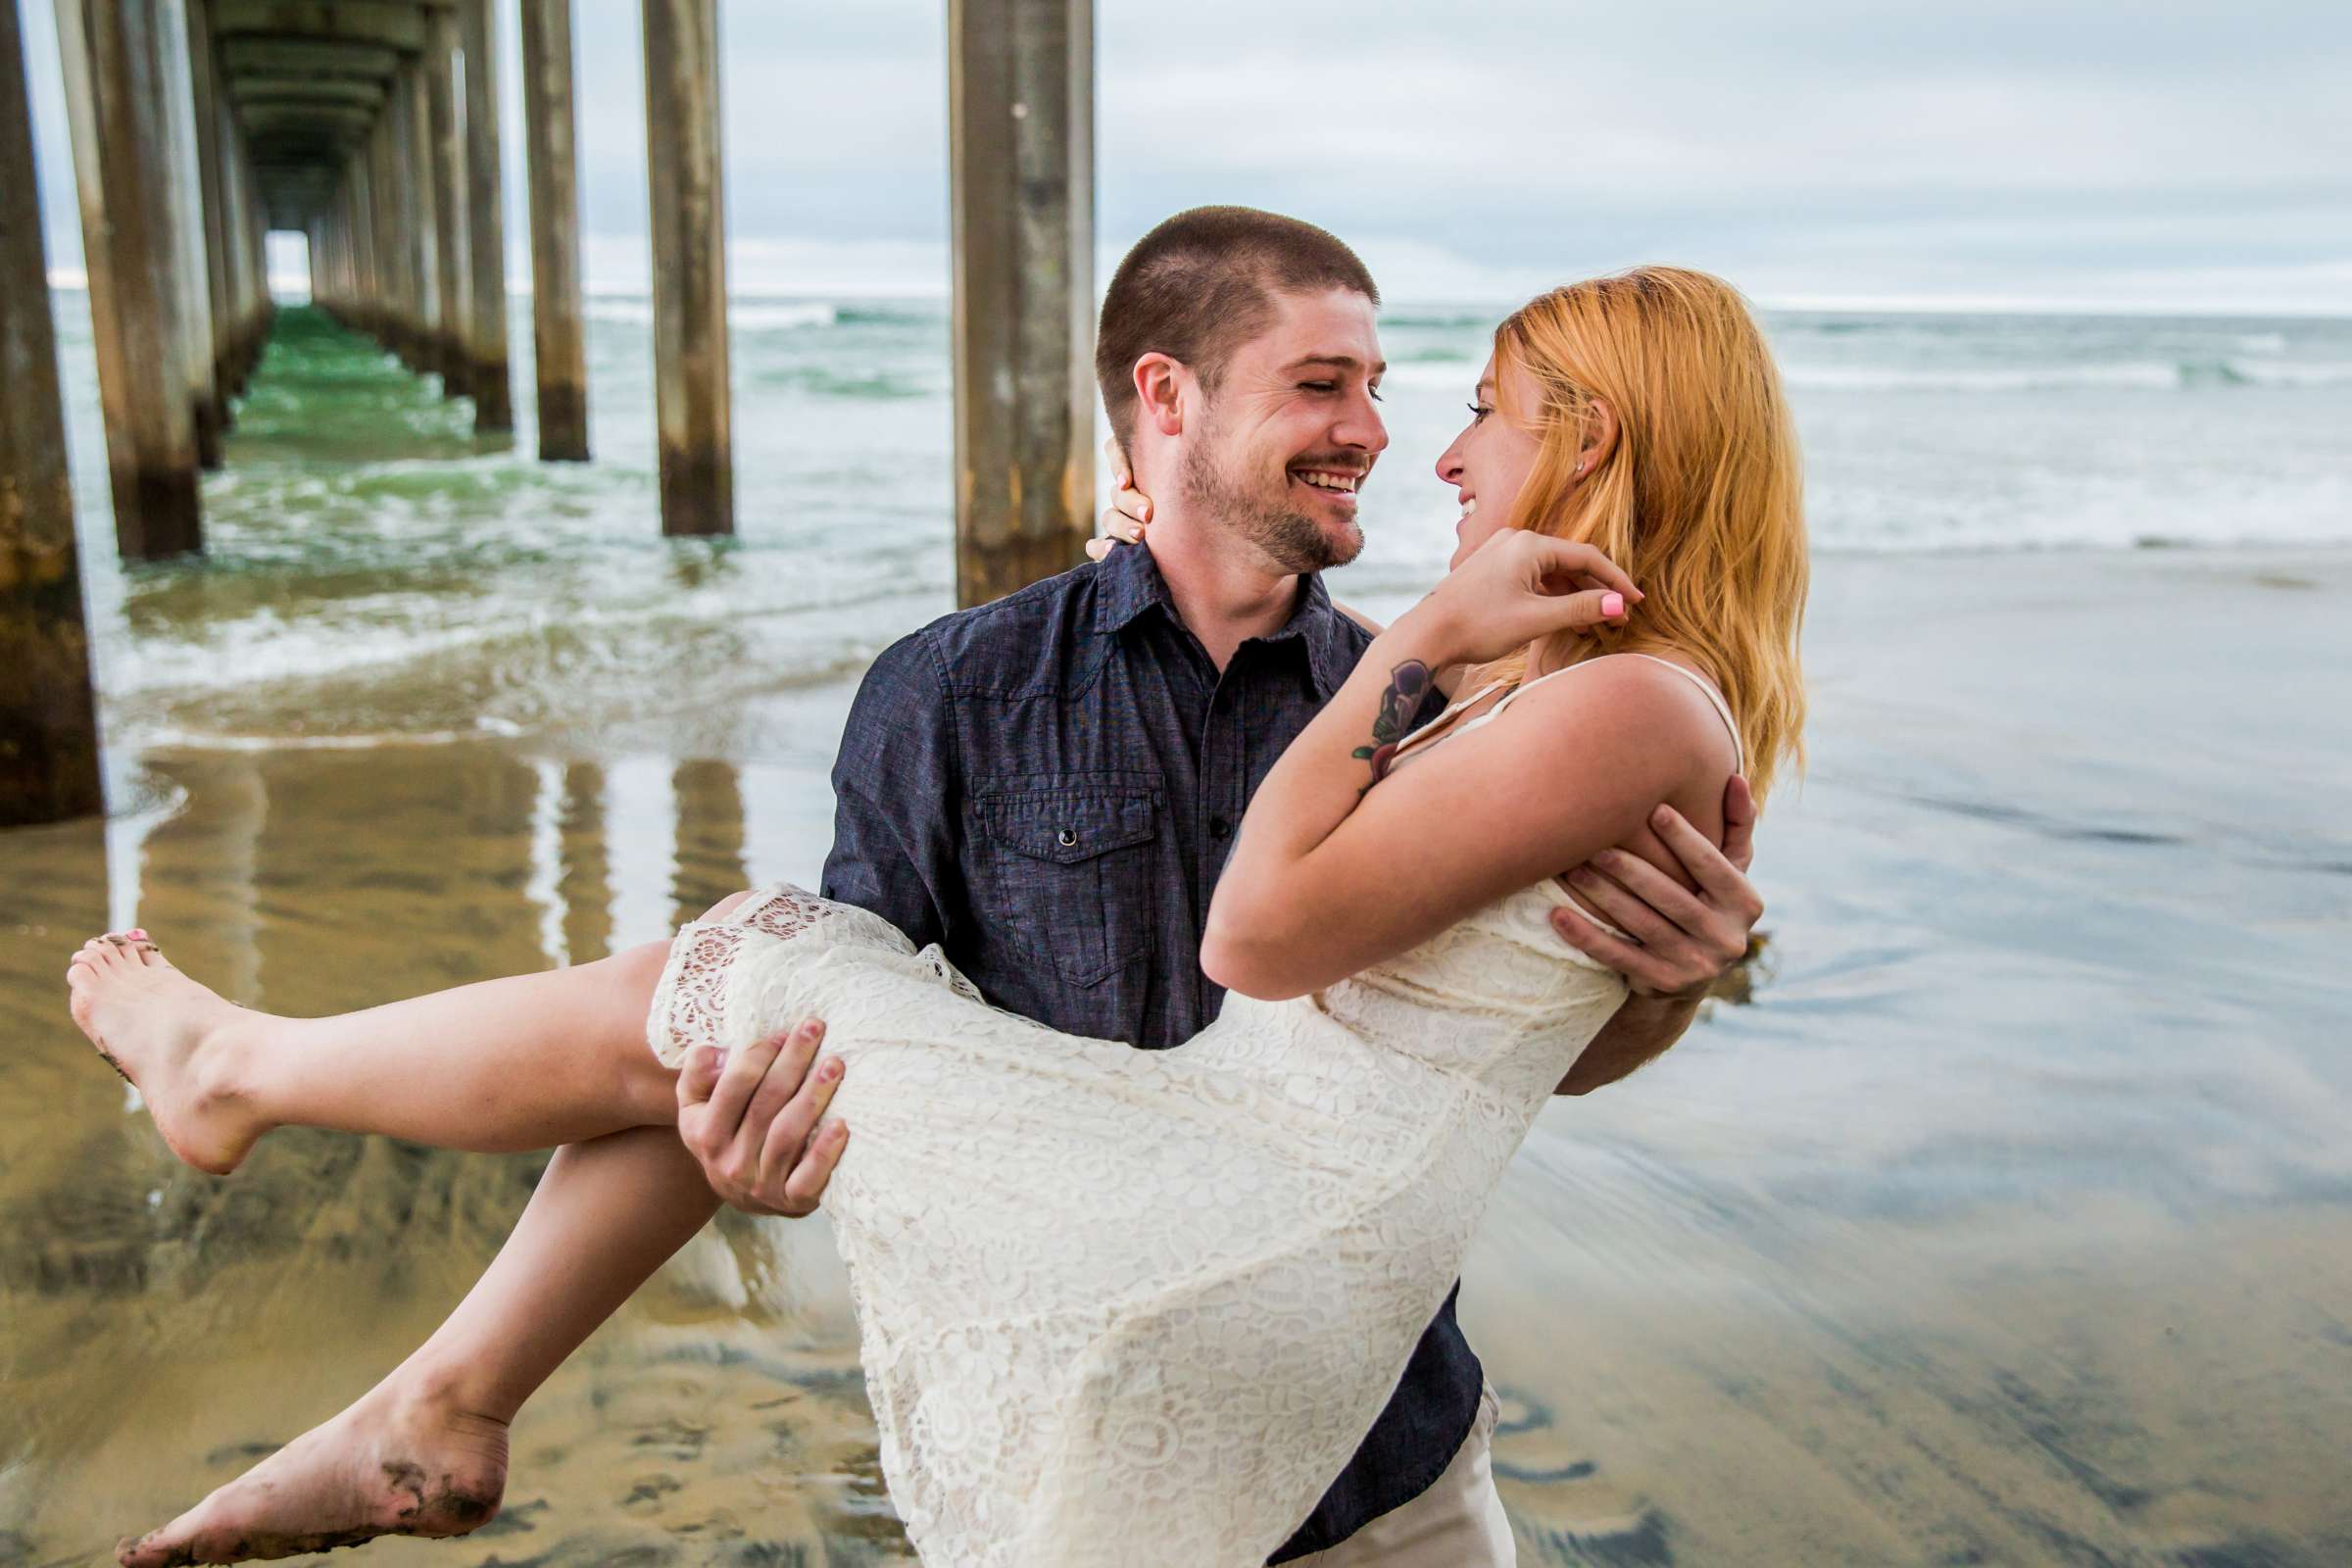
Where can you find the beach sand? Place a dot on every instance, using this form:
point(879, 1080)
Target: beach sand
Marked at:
point(2010, 1221)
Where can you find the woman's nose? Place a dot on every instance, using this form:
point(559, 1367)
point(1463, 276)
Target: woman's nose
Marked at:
point(1450, 465)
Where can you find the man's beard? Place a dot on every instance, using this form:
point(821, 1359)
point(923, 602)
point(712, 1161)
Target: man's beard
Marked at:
point(1290, 539)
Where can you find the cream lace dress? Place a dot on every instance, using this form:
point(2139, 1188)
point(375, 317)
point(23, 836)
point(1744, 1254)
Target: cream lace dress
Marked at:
point(1140, 1307)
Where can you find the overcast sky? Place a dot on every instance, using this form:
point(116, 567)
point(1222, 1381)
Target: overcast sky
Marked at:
point(2049, 151)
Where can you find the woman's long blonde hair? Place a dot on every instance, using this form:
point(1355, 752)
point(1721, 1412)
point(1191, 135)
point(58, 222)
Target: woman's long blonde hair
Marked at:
point(1701, 499)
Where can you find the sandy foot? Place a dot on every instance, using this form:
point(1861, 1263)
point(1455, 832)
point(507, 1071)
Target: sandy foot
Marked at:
point(170, 1037)
point(380, 1468)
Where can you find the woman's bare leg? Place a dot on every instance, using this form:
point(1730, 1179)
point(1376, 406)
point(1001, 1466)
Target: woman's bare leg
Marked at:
point(528, 1061)
point(424, 1452)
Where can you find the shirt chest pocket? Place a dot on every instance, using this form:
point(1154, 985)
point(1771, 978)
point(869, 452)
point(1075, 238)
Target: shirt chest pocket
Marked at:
point(1069, 873)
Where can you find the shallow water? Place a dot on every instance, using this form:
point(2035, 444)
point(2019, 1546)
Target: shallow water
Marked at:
point(2010, 1222)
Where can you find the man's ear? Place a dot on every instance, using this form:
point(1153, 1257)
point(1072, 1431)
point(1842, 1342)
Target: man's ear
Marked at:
point(1164, 391)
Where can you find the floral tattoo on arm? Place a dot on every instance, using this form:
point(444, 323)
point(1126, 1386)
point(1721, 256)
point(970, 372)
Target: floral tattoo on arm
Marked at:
point(1408, 685)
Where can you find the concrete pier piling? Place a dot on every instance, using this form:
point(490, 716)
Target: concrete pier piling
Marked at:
point(691, 396)
point(485, 225)
point(422, 219)
point(438, 69)
point(558, 357)
point(1021, 108)
point(118, 114)
point(48, 719)
point(205, 91)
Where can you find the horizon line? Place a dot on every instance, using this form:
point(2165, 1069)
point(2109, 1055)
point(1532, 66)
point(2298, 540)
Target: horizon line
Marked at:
point(75, 280)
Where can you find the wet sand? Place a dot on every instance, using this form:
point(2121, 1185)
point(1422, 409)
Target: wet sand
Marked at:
point(2009, 1222)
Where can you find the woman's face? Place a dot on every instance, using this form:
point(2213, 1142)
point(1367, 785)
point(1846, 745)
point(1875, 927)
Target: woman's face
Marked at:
point(1490, 461)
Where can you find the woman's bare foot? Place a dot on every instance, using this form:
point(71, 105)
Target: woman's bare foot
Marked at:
point(393, 1465)
point(170, 1037)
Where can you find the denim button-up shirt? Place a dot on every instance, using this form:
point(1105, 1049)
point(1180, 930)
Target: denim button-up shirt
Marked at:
point(1048, 787)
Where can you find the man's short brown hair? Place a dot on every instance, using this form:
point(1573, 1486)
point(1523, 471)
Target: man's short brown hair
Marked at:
point(1201, 284)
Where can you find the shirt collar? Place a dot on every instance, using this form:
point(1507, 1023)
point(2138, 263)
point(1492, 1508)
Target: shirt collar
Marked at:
point(1131, 584)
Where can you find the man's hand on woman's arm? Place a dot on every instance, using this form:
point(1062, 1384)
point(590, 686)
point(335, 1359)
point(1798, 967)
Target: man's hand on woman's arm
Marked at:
point(756, 1121)
point(1681, 942)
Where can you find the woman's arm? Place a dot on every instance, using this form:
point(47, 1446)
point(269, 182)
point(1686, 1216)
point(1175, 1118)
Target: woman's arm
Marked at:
point(1330, 875)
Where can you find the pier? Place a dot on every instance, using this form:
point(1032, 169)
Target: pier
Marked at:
point(372, 128)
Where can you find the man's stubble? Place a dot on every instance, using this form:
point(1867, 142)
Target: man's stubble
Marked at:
point(1288, 537)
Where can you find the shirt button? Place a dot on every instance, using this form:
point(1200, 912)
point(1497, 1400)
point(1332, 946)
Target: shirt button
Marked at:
point(1219, 827)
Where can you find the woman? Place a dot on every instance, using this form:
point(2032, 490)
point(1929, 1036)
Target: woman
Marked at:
point(1167, 1360)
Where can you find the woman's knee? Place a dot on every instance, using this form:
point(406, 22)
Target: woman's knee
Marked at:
point(726, 906)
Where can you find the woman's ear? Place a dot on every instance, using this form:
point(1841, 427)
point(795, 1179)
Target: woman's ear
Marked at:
point(1600, 436)
point(1162, 389)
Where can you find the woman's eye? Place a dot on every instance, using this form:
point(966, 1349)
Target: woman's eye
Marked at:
point(1478, 412)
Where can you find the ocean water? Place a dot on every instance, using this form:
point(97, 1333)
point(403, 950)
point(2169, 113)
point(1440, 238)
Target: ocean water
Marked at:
point(375, 570)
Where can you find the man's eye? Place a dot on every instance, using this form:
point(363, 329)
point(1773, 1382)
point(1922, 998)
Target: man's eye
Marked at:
point(1319, 386)
point(1376, 397)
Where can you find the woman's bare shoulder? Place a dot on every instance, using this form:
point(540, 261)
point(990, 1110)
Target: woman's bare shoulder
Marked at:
point(1646, 711)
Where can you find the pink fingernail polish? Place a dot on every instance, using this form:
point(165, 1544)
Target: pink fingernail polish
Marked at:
point(1612, 604)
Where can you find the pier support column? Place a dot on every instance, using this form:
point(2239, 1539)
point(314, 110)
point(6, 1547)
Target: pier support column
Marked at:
point(392, 301)
point(415, 166)
point(194, 318)
point(254, 249)
point(486, 224)
point(117, 108)
point(558, 356)
point(369, 285)
point(48, 720)
point(690, 266)
point(1020, 89)
point(203, 78)
point(447, 175)
point(247, 277)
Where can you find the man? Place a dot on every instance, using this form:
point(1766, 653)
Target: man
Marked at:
point(1047, 786)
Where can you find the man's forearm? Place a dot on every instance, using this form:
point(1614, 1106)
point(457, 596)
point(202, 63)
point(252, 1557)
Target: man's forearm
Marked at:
point(1641, 1031)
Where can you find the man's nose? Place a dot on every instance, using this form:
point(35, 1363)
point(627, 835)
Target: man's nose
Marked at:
point(1363, 427)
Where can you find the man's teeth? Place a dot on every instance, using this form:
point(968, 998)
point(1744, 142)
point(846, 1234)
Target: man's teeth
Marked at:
point(1340, 483)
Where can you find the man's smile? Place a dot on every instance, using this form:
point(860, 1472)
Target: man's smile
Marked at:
point(1335, 482)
